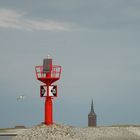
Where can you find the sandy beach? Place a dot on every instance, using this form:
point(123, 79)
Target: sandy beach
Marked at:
point(64, 132)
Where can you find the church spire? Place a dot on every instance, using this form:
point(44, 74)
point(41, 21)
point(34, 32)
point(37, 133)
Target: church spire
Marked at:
point(92, 109)
point(92, 116)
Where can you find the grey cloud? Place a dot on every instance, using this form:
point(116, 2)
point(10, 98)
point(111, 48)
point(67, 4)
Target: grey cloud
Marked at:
point(90, 14)
point(93, 14)
point(13, 19)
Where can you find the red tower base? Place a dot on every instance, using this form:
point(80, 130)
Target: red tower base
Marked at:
point(48, 111)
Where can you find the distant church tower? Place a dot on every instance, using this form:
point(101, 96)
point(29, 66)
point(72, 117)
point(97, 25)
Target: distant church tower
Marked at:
point(92, 118)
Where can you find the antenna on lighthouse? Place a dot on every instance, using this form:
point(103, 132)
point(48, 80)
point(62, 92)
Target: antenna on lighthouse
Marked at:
point(48, 56)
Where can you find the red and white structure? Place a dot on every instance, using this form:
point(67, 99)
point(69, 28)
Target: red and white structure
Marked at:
point(48, 74)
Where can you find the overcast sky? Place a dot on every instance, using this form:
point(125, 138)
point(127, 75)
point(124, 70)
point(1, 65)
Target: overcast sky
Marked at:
point(97, 43)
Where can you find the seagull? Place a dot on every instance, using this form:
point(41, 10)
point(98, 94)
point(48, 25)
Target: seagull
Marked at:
point(21, 97)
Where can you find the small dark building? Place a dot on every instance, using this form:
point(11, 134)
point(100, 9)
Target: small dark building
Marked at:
point(20, 127)
point(92, 118)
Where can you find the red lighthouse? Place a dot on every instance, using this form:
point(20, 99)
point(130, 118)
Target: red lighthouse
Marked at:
point(48, 74)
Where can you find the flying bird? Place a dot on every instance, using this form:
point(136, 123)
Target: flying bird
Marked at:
point(21, 97)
